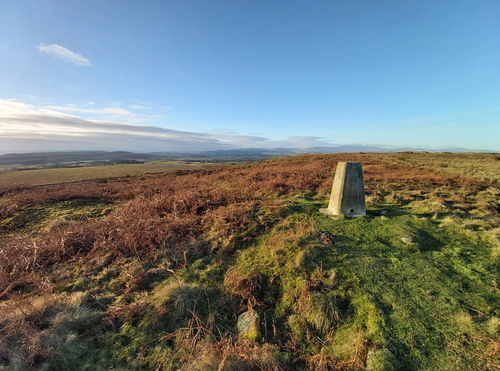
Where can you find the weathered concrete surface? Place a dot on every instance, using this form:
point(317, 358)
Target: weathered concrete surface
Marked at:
point(348, 191)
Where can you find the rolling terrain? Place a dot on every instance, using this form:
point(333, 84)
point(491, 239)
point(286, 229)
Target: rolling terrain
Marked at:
point(35, 177)
point(152, 271)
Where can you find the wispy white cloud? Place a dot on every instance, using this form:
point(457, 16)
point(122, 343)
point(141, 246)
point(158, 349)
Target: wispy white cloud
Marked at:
point(112, 111)
point(115, 111)
point(60, 52)
point(29, 127)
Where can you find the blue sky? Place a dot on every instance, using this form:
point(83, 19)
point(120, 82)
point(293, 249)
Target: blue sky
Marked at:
point(188, 75)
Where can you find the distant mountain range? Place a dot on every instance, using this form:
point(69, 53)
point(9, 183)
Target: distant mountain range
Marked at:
point(82, 158)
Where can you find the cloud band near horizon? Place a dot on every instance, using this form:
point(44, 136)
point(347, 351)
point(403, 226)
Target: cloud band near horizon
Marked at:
point(26, 127)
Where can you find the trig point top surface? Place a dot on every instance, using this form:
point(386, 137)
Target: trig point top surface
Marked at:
point(348, 191)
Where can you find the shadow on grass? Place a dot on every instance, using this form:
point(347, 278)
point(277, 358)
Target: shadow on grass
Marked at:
point(35, 217)
point(421, 278)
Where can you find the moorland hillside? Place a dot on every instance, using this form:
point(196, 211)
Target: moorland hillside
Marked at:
point(152, 272)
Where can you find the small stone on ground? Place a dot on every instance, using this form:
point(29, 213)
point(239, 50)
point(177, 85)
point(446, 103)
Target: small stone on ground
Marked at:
point(406, 240)
point(248, 325)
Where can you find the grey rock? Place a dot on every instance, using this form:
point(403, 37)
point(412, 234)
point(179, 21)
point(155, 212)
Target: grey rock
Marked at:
point(406, 240)
point(248, 325)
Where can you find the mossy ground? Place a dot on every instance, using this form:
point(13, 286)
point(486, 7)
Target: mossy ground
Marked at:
point(430, 303)
point(410, 286)
point(35, 218)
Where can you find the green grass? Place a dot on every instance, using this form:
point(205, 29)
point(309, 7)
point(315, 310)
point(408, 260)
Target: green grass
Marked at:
point(431, 304)
point(347, 293)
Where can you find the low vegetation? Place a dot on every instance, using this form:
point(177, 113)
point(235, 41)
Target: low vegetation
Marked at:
point(34, 177)
point(152, 272)
point(482, 166)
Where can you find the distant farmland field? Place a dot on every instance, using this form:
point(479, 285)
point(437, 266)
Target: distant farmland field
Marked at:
point(23, 178)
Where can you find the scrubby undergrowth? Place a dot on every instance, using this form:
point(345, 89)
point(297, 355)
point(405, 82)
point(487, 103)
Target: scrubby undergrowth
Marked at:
point(152, 272)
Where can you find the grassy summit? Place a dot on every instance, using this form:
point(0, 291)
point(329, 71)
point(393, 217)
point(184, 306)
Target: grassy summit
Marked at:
point(153, 272)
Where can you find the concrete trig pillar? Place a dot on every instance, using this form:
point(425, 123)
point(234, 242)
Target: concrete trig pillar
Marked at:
point(348, 191)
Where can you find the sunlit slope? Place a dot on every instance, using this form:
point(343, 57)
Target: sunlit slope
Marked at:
point(153, 272)
point(24, 178)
